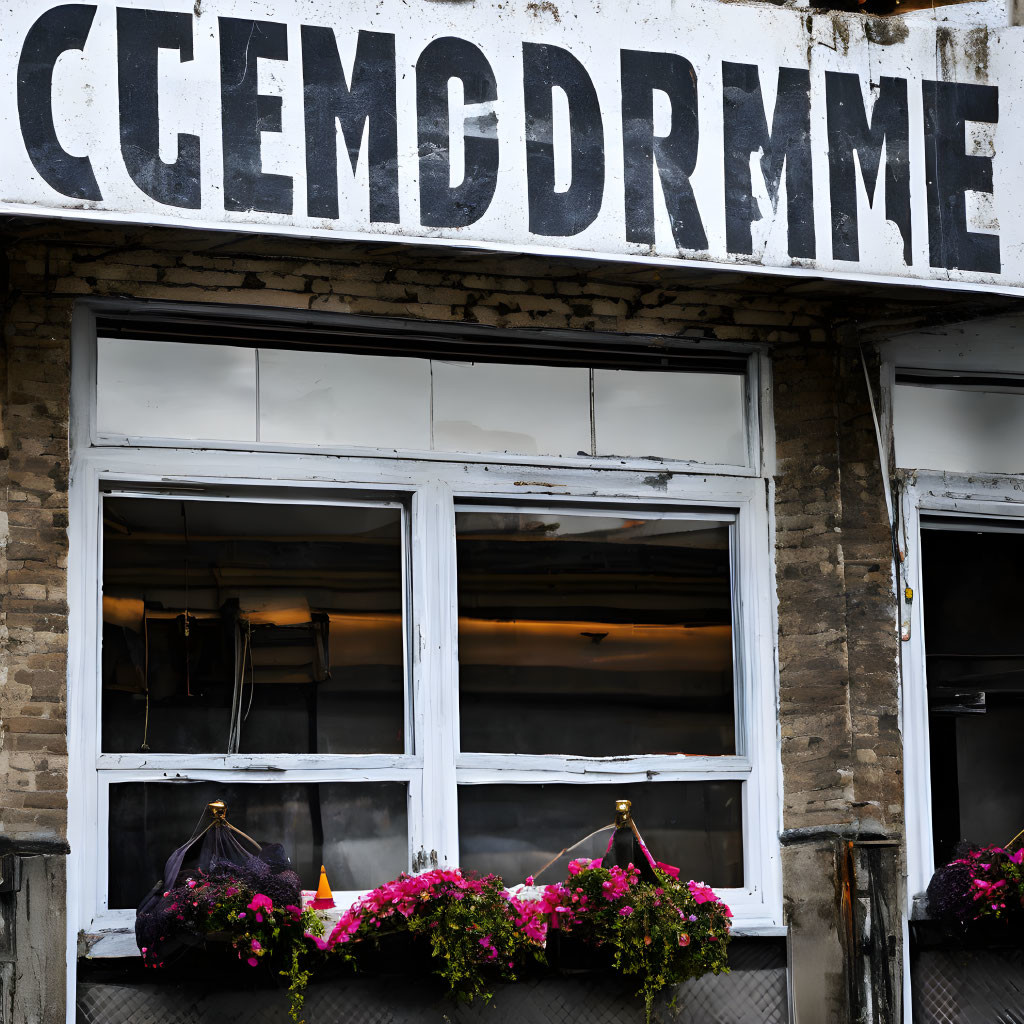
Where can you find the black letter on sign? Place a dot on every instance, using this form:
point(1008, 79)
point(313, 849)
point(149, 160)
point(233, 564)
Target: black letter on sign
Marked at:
point(140, 34)
point(246, 113)
point(442, 206)
point(951, 173)
point(59, 29)
point(848, 130)
point(674, 154)
point(746, 132)
point(329, 100)
point(569, 212)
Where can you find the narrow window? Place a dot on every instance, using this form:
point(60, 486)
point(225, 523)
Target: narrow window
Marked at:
point(971, 573)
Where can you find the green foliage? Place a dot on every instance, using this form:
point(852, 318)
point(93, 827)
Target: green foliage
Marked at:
point(469, 925)
point(659, 935)
point(473, 934)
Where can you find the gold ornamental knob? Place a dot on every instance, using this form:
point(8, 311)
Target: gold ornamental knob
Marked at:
point(622, 815)
point(219, 810)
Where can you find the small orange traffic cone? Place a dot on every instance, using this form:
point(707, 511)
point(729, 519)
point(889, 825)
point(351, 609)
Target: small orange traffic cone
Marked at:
point(324, 898)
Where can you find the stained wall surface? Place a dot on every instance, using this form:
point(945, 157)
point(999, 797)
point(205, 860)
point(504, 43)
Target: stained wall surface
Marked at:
point(838, 690)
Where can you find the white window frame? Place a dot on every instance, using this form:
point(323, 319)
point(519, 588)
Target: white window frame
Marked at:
point(754, 409)
point(993, 345)
point(994, 499)
point(434, 767)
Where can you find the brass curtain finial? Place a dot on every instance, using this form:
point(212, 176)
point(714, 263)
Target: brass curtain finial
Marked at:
point(219, 810)
point(623, 819)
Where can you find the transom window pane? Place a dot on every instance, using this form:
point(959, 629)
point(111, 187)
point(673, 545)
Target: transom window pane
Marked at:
point(960, 429)
point(504, 407)
point(171, 389)
point(594, 635)
point(237, 393)
point(359, 828)
point(248, 627)
point(515, 830)
point(697, 416)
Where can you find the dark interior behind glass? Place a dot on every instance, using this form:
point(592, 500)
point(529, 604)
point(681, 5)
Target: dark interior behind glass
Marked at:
point(974, 648)
point(514, 830)
point(358, 830)
point(594, 635)
point(248, 627)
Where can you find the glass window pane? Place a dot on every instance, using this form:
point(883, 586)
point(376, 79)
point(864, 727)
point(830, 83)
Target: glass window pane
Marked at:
point(359, 830)
point(696, 417)
point(971, 593)
point(502, 407)
point(594, 635)
point(171, 389)
point(958, 430)
point(252, 627)
point(514, 830)
point(342, 399)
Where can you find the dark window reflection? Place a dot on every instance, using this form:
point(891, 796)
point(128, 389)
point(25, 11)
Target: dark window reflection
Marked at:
point(975, 660)
point(594, 635)
point(514, 830)
point(359, 831)
point(244, 627)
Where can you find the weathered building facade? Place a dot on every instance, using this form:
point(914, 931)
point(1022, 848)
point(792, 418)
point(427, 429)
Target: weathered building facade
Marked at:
point(822, 844)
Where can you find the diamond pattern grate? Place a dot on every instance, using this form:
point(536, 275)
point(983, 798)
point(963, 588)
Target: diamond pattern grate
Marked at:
point(756, 996)
point(968, 986)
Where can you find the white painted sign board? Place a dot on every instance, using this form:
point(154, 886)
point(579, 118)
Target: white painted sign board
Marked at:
point(637, 130)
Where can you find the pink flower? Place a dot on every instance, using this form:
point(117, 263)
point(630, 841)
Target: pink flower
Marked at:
point(668, 869)
point(702, 893)
point(256, 945)
point(684, 939)
point(259, 901)
point(253, 961)
point(241, 915)
point(625, 911)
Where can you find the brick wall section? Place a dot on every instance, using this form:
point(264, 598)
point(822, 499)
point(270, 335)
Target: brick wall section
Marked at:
point(33, 603)
point(871, 613)
point(837, 641)
point(50, 265)
point(841, 754)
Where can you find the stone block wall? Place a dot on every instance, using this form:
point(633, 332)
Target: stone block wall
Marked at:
point(840, 744)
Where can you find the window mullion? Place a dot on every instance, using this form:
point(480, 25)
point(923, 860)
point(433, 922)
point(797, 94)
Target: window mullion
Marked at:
point(434, 829)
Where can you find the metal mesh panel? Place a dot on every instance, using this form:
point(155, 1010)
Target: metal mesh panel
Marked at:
point(968, 986)
point(742, 997)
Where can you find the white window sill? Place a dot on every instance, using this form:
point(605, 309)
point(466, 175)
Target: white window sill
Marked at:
point(120, 943)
